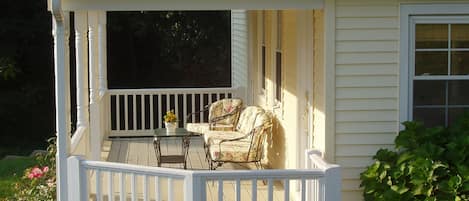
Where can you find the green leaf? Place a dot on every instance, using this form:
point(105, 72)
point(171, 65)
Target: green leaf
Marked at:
point(404, 157)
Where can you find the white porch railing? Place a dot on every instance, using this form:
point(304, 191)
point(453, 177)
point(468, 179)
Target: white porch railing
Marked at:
point(142, 110)
point(147, 183)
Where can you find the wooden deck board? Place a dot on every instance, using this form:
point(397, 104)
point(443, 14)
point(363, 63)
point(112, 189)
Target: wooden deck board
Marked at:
point(140, 151)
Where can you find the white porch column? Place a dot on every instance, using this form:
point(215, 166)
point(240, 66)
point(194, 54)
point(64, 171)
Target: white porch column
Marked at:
point(102, 75)
point(102, 53)
point(61, 29)
point(81, 47)
point(95, 120)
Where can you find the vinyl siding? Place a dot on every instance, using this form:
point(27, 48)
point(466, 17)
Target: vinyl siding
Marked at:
point(367, 84)
point(367, 80)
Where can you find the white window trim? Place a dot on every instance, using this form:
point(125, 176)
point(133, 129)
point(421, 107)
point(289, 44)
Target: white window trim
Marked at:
point(260, 43)
point(278, 49)
point(407, 11)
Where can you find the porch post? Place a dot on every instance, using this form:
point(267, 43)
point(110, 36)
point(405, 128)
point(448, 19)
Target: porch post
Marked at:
point(81, 45)
point(102, 53)
point(61, 26)
point(102, 76)
point(95, 139)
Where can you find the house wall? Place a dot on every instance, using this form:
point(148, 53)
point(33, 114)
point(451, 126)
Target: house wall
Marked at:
point(366, 83)
point(366, 71)
point(281, 148)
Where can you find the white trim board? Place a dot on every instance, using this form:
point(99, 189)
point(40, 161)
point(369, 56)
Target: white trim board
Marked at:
point(137, 5)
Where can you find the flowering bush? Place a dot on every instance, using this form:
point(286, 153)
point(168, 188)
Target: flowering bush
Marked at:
point(38, 182)
point(170, 116)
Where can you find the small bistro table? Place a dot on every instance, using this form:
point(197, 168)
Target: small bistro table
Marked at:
point(181, 133)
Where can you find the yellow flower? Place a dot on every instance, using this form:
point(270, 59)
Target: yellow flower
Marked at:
point(170, 116)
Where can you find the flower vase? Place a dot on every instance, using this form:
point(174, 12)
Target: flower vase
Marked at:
point(170, 127)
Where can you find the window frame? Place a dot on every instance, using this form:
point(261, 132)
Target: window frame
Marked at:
point(278, 55)
point(263, 53)
point(410, 14)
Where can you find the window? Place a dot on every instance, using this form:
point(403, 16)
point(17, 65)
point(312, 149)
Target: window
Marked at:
point(278, 59)
point(438, 68)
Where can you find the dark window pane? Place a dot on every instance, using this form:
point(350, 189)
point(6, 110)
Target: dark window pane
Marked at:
point(263, 67)
point(460, 36)
point(431, 63)
point(278, 78)
point(430, 116)
point(429, 92)
point(459, 63)
point(431, 36)
point(169, 49)
point(455, 113)
point(458, 92)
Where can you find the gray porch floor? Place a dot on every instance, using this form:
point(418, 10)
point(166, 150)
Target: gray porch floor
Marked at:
point(140, 151)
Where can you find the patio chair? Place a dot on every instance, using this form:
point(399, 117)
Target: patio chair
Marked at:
point(222, 115)
point(243, 145)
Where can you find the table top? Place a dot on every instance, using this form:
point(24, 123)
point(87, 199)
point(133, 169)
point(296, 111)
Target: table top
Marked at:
point(179, 132)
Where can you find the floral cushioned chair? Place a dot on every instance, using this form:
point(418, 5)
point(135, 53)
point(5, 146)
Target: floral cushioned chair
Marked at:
point(223, 115)
point(244, 144)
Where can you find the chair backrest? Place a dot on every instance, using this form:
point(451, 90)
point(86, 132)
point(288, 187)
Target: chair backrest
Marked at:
point(252, 117)
point(262, 128)
point(228, 108)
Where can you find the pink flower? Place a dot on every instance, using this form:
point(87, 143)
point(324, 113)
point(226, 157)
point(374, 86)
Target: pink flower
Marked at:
point(35, 173)
point(45, 169)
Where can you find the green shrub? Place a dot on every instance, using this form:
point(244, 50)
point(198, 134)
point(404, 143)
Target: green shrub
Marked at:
point(428, 164)
point(39, 182)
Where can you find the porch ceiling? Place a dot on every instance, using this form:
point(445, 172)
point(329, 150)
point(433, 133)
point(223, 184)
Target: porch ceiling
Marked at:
point(137, 5)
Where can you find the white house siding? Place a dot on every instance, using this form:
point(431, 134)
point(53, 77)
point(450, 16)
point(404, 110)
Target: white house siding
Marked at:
point(239, 51)
point(367, 55)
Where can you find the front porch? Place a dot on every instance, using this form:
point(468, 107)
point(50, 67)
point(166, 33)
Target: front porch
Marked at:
point(140, 151)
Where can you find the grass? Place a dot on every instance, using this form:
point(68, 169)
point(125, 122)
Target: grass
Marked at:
point(11, 171)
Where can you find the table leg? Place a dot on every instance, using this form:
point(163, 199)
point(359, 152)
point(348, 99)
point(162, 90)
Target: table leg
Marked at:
point(186, 141)
point(157, 147)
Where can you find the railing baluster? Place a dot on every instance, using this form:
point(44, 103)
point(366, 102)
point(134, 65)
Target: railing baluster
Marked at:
point(218, 96)
point(303, 189)
point(220, 190)
point(110, 187)
point(193, 107)
point(145, 187)
point(168, 102)
point(126, 111)
point(270, 191)
point(209, 98)
point(287, 189)
point(142, 110)
point(118, 114)
point(122, 186)
point(152, 120)
point(254, 189)
point(184, 111)
point(176, 105)
point(170, 189)
point(134, 110)
point(157, 189)
point(133, 187)
point(99, 195)
point(160, 111)
point(201, 103)
point(238, 190)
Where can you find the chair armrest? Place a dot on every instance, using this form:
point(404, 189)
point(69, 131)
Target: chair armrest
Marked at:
point(242, 137)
